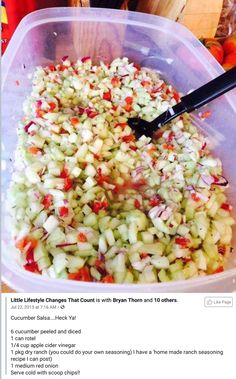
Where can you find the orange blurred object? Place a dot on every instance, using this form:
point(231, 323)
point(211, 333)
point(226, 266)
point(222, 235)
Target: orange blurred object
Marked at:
point(229, 45)
point(215, 49)
point(231, 59)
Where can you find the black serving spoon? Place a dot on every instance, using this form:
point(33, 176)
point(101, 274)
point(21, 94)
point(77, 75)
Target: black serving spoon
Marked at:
point(188, 103)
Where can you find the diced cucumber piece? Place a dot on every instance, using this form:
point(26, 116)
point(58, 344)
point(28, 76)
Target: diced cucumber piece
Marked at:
point(163, 276)
point(95, 274)
point(190, 270)
point(51, 224)
point(74, 263)
point(147, 237)
point(200, 259)
point(178, 266)
point(59, 263)
point(40, 251)
point(137, 217)
point(102, 244)
point(44, 262)
point(133, 233)
point(160, 262)
point(109, 237)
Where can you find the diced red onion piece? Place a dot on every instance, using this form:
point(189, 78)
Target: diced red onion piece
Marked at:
point(66, 244)
point(207, 179)
point(26, 127)
point(222, 181)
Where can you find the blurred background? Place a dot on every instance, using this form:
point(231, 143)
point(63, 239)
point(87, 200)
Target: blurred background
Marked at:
point(206, 19)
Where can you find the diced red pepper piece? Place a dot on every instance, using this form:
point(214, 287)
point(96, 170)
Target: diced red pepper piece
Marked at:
point(195, 197)
point(167, 91)
point(84, 59)
point(68, 184)
point(134, 148)
point(159, 89)
point(84, 165)
point(82, 275)
point(145, 83)
point(128, 107)
point(115, 81)
point(39, 113)
point(164, 96)
point(114, 107)
point(99, 205)
point(22, 243)
point(63, 211)
point(92, 114)
point(97, 156)
point(30, 255)
point(158, 134)
point(62, 67)
point(129, 100)
point(137, 204)
point(140, 183)
point(82, 237)
point(128, 138)
point(170, 137)
point(182, 241)
point(216, 179)
point(205, 114)
point(107, 96)
point(155, 200)
point(176, 96)
point(152, 149)
point(226, 207)
point(218, 270)
point(34, 150)
point(47, 201)
point(52, 106)
point(144, 255)
point(108, 279)
point(52, 67)
point(168, 147)
point(137, 66)
point(64, 173)
point(154, 162)
point(74, 121)
point(99, 263)
point(32, 267)
point(100, 178)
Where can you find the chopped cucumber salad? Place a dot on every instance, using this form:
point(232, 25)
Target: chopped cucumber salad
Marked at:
point(92, 203)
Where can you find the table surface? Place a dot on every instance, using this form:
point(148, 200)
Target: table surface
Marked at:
point(6, 289)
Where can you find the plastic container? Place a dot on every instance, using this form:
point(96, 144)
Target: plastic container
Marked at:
point(47, 35)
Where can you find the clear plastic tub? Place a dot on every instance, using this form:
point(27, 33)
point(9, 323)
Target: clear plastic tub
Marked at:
point(47, 35)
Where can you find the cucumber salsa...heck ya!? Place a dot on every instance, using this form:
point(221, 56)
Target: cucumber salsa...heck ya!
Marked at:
point(90, 202)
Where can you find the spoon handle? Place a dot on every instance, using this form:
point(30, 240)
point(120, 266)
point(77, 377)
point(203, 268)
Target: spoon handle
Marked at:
point(210, 91)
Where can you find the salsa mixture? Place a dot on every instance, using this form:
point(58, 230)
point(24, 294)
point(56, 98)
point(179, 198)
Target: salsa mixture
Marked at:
point(90, 202)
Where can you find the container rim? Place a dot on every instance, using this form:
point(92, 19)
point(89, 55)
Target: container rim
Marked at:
point(64, 14)
point(39, 281)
